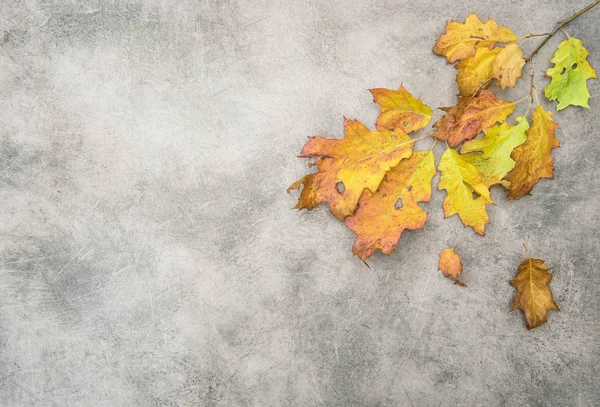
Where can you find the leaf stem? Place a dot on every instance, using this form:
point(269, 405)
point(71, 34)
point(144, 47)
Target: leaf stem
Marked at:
point(558, 27)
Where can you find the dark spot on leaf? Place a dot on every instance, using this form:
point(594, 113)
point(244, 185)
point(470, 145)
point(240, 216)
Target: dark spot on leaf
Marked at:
point(563, 71)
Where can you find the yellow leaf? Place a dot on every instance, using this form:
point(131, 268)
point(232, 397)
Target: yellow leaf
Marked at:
point(533, 159)
point(533, 295)
point(378, 222)
point(467, 195)
point(358, 161)
point(508, 66)
point(460, 40)
point(470, 116)
point(451, 265)
point(400, 110)
point(472, 72)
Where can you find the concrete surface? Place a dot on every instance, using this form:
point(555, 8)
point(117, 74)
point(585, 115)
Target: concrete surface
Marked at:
point(149, 252)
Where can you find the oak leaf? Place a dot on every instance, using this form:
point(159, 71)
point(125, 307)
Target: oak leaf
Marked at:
point(378, 222)
point(461, 40)
point(451, 265)
point(495, 148)
point(467, 194)
point(400, 109)
point(569, 75)
point(508, 66)
point(533, 295)
point(472, 72)
point(358, 161)
point(471, 116)
point(533, 158)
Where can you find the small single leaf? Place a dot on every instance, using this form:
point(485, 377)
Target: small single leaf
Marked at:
point(472, 72)
point(533, 295)
point(569, 75)
point(508, 66)
point(451, 265)
point(400, 110)
point(359, 161)
point(461, 179)
point(461, 40)
point(494, 160)
point(470, 116)
point(377, 222)
point(533, 158)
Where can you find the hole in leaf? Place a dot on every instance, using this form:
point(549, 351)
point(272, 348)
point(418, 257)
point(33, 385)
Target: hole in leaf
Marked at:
point(563, 71)
point(398, 204)
point(574, 66)
point(340, 187)
point(475, 195)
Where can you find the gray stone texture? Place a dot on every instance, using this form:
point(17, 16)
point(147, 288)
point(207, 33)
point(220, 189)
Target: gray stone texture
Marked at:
point(149, 253)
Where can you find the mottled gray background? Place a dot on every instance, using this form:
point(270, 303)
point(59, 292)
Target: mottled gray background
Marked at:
point(149, 253)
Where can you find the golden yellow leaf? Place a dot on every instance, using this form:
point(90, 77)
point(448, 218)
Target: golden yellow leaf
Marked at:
point(358, 161)
point(400, 110)
point(378, 222)
point(467, 194)
point(533, 295)
point(470, 116)
point(533, 158)
point(472, 72)
point(460, 40)
point(508, 66)
point(451, 265)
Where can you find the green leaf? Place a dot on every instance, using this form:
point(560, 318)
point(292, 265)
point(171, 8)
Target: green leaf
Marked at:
point(569, 75)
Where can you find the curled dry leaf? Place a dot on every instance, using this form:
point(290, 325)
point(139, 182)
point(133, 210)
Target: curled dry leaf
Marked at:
point(533, 158)
point(467, 194)
point(451, 265)
point(400, 110)
point(569, 75)
point(471, 116)
point(461, 40)
point(508, 66)
point(378, 222)
point(533, 294)
point(493, 160)
point(359, 161)
point(472, 72)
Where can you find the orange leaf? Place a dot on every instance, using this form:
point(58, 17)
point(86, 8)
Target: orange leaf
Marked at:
point(400, 109)
point(461, 40)
point(359, 161)
point(533, 295)
point(378, 223)
point(471, 116)
point(533, 159)
point(451, 265)
point(508, 66)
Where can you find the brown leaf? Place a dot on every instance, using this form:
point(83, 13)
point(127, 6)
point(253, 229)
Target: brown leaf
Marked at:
point(451, 265)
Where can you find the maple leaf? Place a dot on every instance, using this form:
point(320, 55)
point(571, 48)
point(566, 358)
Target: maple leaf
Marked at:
point(462, 181)
point(461, 40)
point(533, 295)
point(472, 72)
point(494, 160)
point(470, 116)
point(378, 222)
point(569, 75)
point(533, 159)
point(359, 161)
point(400, 109)
point(451, 265)
point(508, 66)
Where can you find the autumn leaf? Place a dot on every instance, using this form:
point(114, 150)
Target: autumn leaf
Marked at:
point(471, 116)
point(472, 72)
point(533, 295)
point(378, 222)
point(461, 40)
point(467, 194)
point(494, 160)
point(569, 75)
point(359, 161)
point(451, 265)
point(533, 159)
point(400, 110)
point(508, 66)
